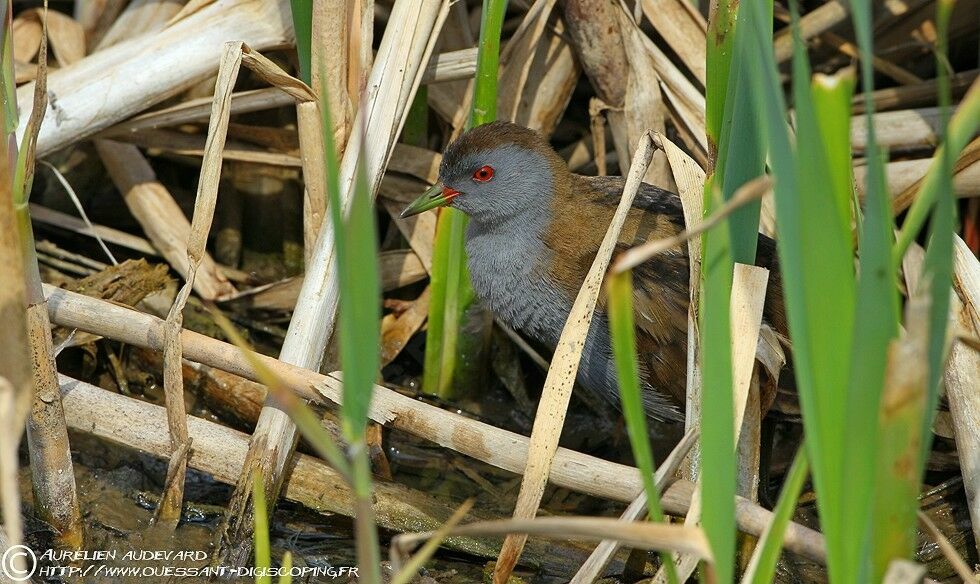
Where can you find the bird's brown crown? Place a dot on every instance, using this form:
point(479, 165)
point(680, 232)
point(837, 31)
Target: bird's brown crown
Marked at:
point(496, 135)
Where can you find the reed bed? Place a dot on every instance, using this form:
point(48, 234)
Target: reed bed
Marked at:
point(207, 278)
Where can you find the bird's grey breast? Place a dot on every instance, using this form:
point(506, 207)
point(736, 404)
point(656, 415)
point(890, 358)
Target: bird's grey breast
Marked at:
point(508, 268)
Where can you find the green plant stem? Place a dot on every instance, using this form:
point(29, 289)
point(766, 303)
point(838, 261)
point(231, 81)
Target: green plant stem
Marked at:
point(452, 292)
point(368, 556)
point(619, 288)
point(302, 12)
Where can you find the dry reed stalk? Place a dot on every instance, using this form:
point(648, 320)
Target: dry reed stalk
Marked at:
point(593, 27)
point(198, 110)
point(419, 230)
point(399, 268)
point(146, 198)
point(169, 511)
point(968, 158)
point(539, 69)
point(903, 174)
point(139, 17)
point(405, 48)
point(881, 65)
point(53, 477)
point(129, 77)
point(644, 107)
point(752, 519)
point(314, 173)
point(188, 145)
point(46, 216)
point(451, 66)
point(395, 336)
point(448, 99)
point(396, 75)
point(623, 77)
point(645, 536)
point(919, 95)
point(690, 177)
point(220, 452)
point(234, 54)
point(592, 569)
point(331, 65)
point(912, 128)
point(962, 366)
point(501, 448)
point(685, 101)
point(747, 302)
point(550, 415)
point(162, 220)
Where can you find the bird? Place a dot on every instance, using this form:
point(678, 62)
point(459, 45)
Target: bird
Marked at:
point(533, 232)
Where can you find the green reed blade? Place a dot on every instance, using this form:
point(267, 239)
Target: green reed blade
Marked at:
point(876, 325)
point(817, 274)
point(762, 568)
point(302, 12)
point(451, 291)
point(619, 289)
point(938, 263)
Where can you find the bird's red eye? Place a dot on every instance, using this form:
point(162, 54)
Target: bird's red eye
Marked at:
point(484, 174)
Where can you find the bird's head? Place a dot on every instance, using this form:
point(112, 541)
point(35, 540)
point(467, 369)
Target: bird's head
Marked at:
point(495, 172)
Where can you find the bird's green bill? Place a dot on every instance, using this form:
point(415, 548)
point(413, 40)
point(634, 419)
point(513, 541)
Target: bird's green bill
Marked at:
point(435, 196)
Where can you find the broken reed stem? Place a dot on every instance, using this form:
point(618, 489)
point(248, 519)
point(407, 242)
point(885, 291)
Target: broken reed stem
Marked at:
point(169, 510)
point(550, 416)
point(52, 474)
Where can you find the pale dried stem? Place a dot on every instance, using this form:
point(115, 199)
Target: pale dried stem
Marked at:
point(207, 193)
point(690, 177)
point(962, 365)
point(748, 298)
